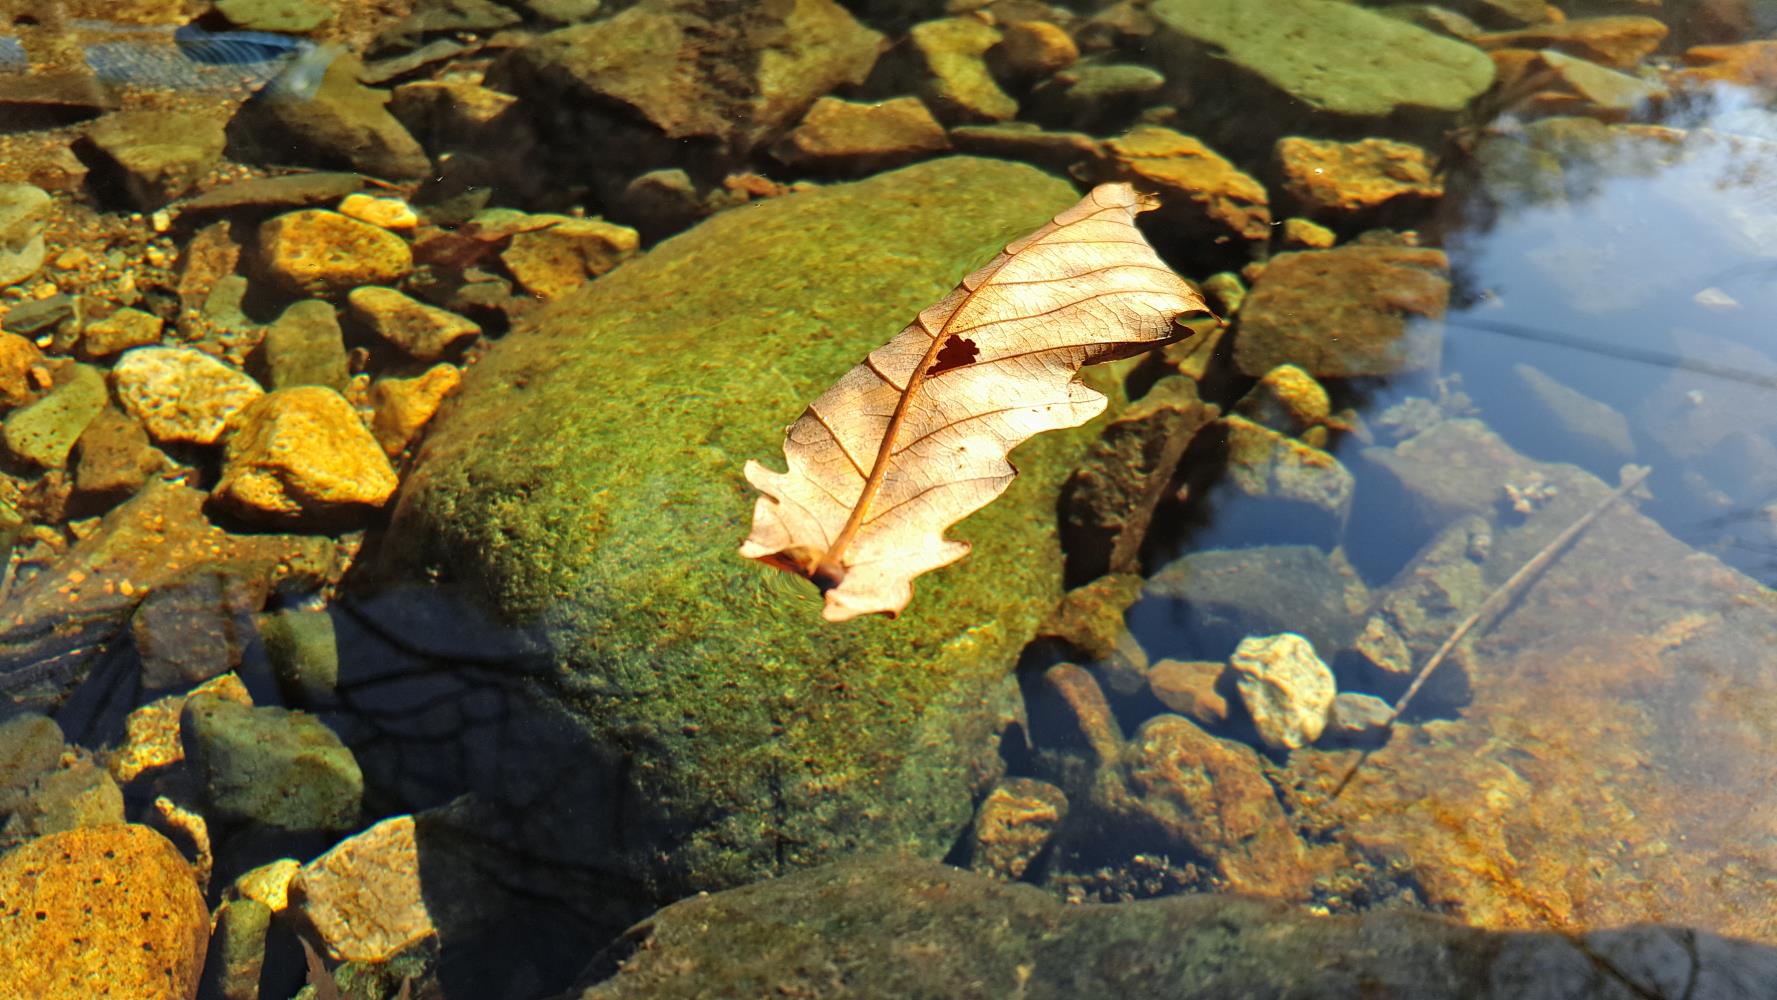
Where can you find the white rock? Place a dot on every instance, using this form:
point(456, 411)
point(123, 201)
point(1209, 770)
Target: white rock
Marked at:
point(181, 394)
point(1287, 690)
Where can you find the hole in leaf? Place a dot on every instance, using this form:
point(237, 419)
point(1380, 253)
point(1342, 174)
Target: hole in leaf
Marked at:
point(956, 352)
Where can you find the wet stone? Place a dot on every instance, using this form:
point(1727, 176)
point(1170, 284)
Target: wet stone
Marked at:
point(1357, 720)
point(44, 432)
point(151, 731)
point(364, 896)
point(1420, 609)
point(121, 915)
point(303, 650)
point(24, 213)
point(1287, 690)
point(113, 458)
point(181, 394)
point(304, 346)
point(302, 456)
point(1108, 503)
point(1082, 722)
point(154, 157)
point(1263, 465)
point(1376, 298)
point(24, 373)
point(120, 331)
point(556, 254)
point(1356, 184)
point(196, 627)
point(1580, 87)
point(850, 138)
point(295, 17)
point(57, 318)
point(1555, 419)
point(237, 950)
point(1098, 97)
point(266, 194)
point(1014, 825)
point(1619, 42)
point(1027, 143)
point(1287, 400)
point(1270, 68)
point(1203, 197)
point(268, 765)
point(389, 213)
point(1210, 797)
point(1031, 50)
point(423, 332)
point(316, 252)
point(1192, 688)
point(342, 125)
point(75, 794)
point(1302, 234)
point(30, 746)
point(1202, 604)
point(404, 405)
point(1087, 627)
point(945, 63)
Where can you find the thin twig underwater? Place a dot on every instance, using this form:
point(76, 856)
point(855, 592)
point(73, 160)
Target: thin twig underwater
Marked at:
point(1631, 477)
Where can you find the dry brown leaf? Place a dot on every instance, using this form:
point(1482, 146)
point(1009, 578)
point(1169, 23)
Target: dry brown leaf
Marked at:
point(916, 437)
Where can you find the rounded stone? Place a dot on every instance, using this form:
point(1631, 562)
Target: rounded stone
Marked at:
point(1286, 688)
point(100, 911)
point(315, 252)
point(301, 455)
point(181, 394)
point(424, 332)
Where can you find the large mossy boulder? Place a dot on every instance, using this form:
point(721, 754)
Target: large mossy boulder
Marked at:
point(586, 486)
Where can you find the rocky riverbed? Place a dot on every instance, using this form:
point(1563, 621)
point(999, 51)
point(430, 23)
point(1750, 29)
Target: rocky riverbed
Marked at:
point(375, 381)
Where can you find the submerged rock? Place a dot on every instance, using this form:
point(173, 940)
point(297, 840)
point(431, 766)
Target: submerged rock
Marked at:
point(1365, 183)
point(302, 456)
point(280, 768)
point(341, 125)
point(707, 700)
point(1268, 68)
point(1014, 826)
point(1287, 690)
point(1378, 299)
point(1202, 604)
point(1203, 197)
point(849, 138)
point(181, 394)
point(791, 936)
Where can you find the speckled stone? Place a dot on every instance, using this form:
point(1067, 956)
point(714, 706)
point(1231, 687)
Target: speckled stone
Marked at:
point(423, 332)
point(44, 432)
point(315, 252)
point(281, 768)
point(557, 256)
point(120, 331)
point(364, 896)
point(404, 405)
point(852, 137)
point(181, 394)
point(110, 911)
point(301, 455)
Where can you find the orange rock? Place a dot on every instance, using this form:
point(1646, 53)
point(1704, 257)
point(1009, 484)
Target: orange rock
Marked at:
point(1621, 42)
point(1351, 181)
point(109, 911)
point(1201, 193)
point(404, 405)
point(1749, 64)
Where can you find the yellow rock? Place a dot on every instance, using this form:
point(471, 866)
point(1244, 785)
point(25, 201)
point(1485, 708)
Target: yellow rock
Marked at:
point(301, 455)
point(151, 732)
point(389, 213)
point(403, 405)
point(317, 253)
point(268, 884)
point(555, 259)
point(109, 911)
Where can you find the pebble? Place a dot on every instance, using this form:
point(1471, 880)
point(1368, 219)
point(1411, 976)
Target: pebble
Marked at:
point(24, 213)
point(151, 731)
point(76, 793)
point(314, 252)
point(1618, 42)
point(850, 138)
point(152, 156)
point(389, 213)
point(1191, 688)
point(195, 627)
point(303, 651)
point(304, 346)
point(424, 332)
point(45, 431)
point(1264, 464)
point(100, 911)
point(404, 405)
point(947, 67)
point(1031, 50)
point(181, 394)
point(269, 765)
point(1303, 234)
point(363, 897)
point(115, 458)
point(1373, 295)
point(120, 331)
point(302, 456)
point(24, 372)
point(1355, 182)
point(1287, 400)
point(1202, 195)
point(555, 254)
point(1014, 825)
point(1288, 692)
point(1357, 719)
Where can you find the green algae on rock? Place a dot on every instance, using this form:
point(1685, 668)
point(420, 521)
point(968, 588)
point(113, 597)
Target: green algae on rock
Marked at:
point(586, 484)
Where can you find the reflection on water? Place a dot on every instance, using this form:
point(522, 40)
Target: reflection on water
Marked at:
point(375, 382)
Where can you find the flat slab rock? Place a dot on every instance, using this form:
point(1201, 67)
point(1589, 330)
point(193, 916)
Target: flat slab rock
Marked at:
point(900, 927)
point(1616, 761)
